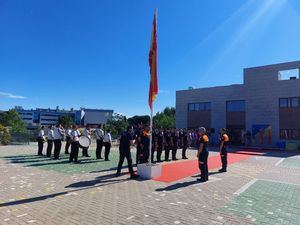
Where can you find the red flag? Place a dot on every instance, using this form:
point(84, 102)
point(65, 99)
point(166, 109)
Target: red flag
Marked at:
point(153, 89)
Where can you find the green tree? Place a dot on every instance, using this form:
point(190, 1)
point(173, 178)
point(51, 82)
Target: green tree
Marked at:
point(165, 119)
point(66, 120)
point(12, 119)
point(135, 120)
point(117, 124)
point(4, 135)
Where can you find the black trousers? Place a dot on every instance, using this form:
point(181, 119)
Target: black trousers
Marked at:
point(68, 143)
point(159, 151)
point(184, 148)
point(145, 155)
point(167, 152)
point(85, 151)
point(74, 151)
point(49, 147)
point(203, 157)
point(127, 155)
point(138, 154)
point(224, 158)
point(100, 144)
point(174, 151)
point(40, 146)
point(57, 148)
point(107, 150)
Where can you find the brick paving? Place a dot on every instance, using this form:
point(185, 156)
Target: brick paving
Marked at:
point(90, 194)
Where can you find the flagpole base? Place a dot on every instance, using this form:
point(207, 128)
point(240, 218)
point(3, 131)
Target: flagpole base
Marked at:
point(149, 170)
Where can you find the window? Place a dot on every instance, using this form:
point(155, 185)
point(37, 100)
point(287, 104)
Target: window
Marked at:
point(235, 106)
point(288, 134)
point(202, 106)
point(289, 102)
point(191, 107)
point(288, 74)
point(197, 105)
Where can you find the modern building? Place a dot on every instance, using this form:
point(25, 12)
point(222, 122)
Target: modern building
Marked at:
point(265, 108)
point(44, 117)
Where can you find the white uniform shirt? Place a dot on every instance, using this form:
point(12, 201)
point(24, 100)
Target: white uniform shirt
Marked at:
point(75, 135)
point(107, 137)
point(50, 134)
point(99, 134)
point(87, 133)
point(41, 134)
point(68, 132)
point(57, 133)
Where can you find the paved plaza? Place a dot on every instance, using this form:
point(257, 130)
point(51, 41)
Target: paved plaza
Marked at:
point(262, 189)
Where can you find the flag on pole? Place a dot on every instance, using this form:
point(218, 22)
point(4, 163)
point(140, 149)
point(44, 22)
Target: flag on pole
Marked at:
point(153, 89)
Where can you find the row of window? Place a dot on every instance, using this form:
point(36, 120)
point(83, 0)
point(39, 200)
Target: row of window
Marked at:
point(49, 120)
point(231, 106)
point(52, 115)
point(289, 102)
point(289, 134)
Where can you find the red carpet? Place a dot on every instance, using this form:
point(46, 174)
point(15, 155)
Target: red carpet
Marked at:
point(179, 170)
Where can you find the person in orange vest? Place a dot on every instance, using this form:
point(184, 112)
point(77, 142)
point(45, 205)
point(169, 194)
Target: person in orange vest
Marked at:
point(224, 139)
point(202, 154)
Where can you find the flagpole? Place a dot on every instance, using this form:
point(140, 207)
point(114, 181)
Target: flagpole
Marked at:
point(151, 125)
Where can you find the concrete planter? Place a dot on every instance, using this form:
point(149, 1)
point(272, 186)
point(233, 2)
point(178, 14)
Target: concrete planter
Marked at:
point(149, 171)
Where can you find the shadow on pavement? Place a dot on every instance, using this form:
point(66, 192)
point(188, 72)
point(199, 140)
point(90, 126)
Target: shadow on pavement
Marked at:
point(178, 185)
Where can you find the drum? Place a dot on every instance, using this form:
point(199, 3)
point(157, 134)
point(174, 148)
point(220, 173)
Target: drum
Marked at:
point(84, 142)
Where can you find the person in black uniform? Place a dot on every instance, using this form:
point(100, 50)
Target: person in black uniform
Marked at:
point(138, 137)
point(185, 138)
point(126, 140)
point(203, 154)
point(75, 134)
point(175, 138)
point(224, 139)
point(154, 144)
point(160, 144)
point(145, 143)
point(168, 144)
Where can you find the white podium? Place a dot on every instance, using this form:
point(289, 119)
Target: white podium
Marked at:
point(149, 171)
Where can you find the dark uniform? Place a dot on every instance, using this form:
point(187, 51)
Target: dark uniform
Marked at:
point(168, 145)
point(124, 150)
point(223, 152)
point(154, 144)
point(203, 157)
point(160, 145)
point(184, 143)
point(146, 145)
point(175, 139)
point(138, 136)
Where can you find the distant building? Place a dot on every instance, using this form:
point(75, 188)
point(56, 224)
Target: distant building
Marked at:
point(44, 117)
point(265, 108)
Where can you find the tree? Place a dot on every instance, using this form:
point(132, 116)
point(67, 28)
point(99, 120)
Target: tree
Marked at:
point(165, 119)
point(12, 119)
point(117, 124)
point(4, 135)
point(135, 120)
point(66, 120)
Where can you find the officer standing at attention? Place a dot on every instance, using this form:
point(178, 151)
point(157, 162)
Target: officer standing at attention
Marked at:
point(126, 140)
point(86, 133)
point(49, 140)
point(175, 138)
point(168, 144)
point(74, 144)
point(203, 154)
point(138, 138)
point(185, 141)
point(160, 144)
point(41, 138)
point(145, 141)
point(57, 136)
point(100, 141)
point(68, 140)
point(224, 139)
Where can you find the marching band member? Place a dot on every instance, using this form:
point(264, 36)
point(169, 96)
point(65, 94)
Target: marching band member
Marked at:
point(145, 141)
point(58, 133)
point(202, 154)
point(74, 144)
point(49, 140)
point(107, 144)
point(86, 133)
point(99, 137)
point(68, 140)
point(41, 138)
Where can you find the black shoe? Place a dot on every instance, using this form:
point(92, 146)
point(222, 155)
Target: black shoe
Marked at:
point(134, 176)
point(222, 170)
point(87, 156)
point(185, 157)
point(158, 161)
point(167, 160)
point(76, 162)
point(174, 159)
point(118, 174)
point(106, 160)
point(67, 153)
point(70, 161)
point(40, 154)
point(201, 180)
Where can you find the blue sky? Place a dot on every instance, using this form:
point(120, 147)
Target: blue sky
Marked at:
point(94, 54)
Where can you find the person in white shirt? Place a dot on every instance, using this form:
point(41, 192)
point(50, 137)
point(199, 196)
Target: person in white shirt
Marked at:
point(86, 133)
point(49, 140)
point(75, 134)
point(100, 141)
point(68, 140)
point(41, 138)
point(107, 144)
point(57, 136)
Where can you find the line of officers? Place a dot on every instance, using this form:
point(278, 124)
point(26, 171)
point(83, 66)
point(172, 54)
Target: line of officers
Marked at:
point(56, 134)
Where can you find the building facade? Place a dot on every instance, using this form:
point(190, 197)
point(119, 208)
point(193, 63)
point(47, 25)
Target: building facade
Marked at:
point(264, 109)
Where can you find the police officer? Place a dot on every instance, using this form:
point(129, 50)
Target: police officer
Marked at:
point(224, 139)
point(160, 144)
point(203, 154)
point(100, 141)
point(154, 144)
point(168, 144)
point(75, 133)
point(49, 140)
point(175, 138)
point(86, 133)
point(145, 143)
point(185, 137)
point(126, 140)
point(41, 138)
point(68, 140)
point(138, 138)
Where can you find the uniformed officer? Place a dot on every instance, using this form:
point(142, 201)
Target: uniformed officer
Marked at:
point(138, 138)
point(145, 143)
point(86, 133)
point(168, 144)
point(175, 138)
point(154, 144)
point(100, 141)
point(203, 154)
point(160, 144)
point(126, 140)
point(58, 133)
point(185, 137)
point(224, 139)
point(68, 140)
point(75, 133)
point(49, 140)
point(41, 138)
